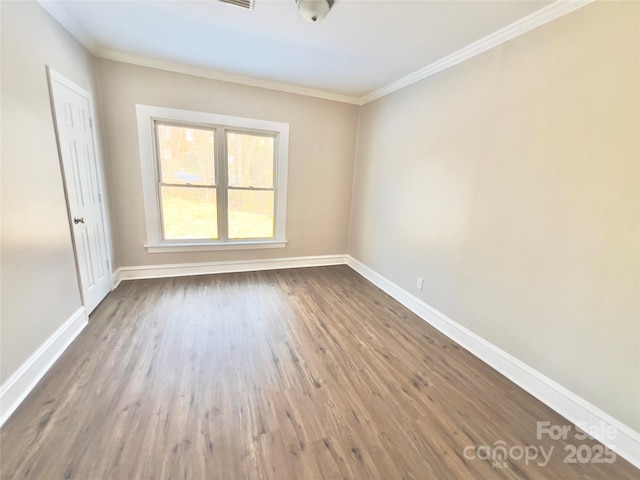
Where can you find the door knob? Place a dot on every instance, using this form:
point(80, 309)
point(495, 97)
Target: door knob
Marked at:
point(77, 220)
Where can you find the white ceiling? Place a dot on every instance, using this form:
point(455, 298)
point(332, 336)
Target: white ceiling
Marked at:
point(359, 48)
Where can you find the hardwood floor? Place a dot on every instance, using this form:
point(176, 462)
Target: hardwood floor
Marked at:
point(293, 374)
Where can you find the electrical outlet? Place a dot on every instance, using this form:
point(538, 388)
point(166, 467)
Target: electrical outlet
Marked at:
point(419, 283)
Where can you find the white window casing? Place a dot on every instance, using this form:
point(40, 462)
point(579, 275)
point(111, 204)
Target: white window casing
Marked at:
point(147, 116)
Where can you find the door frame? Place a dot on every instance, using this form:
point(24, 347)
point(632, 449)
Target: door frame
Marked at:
point(54, 76)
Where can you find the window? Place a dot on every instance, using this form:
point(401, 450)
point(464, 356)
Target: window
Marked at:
point(212, 181)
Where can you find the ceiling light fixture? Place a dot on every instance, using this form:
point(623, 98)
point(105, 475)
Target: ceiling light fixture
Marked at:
point(314, 10)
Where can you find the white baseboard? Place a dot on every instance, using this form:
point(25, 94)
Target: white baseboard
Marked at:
point(186, 269)
point(571, 406)
point(18, 385)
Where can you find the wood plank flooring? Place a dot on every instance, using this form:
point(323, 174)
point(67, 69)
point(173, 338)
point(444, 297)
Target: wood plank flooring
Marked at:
point(293, 374)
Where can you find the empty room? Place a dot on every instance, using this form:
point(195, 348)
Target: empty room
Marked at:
point(320, 239)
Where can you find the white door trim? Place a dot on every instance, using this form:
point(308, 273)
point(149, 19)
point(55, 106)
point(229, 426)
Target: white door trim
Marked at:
point(54, 76)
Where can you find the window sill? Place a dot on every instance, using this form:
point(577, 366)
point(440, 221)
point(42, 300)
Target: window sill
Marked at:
point(204, 247)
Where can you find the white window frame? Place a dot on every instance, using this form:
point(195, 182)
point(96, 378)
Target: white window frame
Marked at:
point(147, 115)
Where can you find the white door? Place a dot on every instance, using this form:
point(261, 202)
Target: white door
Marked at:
point(83, 181)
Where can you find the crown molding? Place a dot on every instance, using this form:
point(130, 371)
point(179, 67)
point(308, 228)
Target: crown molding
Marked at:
point(525, 24)
point(534, 20)
point(54, 9)
point(225, 77)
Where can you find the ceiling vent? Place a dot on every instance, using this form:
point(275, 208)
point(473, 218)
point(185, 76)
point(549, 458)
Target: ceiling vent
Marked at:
point(248, 4)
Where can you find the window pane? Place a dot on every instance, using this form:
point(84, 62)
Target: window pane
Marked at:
point(250, 214)
point(189, 213)
point(186, 155)
point(250, 160)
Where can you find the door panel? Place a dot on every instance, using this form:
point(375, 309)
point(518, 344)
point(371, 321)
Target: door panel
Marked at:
point(72, 113)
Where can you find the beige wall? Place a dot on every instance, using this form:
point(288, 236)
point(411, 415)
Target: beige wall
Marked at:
point(321, 155)
point(39, 284)
point(510, 184)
